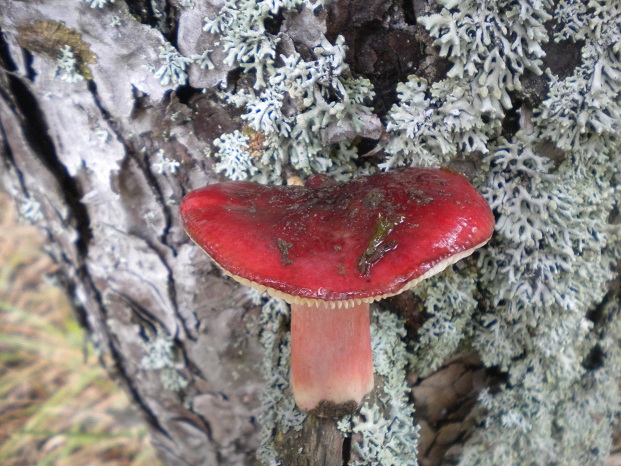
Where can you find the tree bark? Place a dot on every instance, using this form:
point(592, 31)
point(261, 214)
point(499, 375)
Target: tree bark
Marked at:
point(101, 164)
point(83, 154)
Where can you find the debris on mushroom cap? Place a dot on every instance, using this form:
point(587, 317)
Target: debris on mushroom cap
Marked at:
point(358, 241)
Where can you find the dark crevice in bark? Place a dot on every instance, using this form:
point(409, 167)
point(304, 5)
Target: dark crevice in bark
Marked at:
point(92, 87)
point(143, 162)
point(6, 61)
point(142, 315)
point(203, 428)
point(384, 53)
point(59, 256)
point(595, 359)
point(172, 18)
point(36, 132)
point(561, 57)
point(409, 14)
point(273, 23)
point(127, 145)
point(8, 153)
point(172, 291)
point(159, 14)
point(511, 121)
point(31, 74)
point(79, 311)
point(186, 93)
point(118, 358)
point(142, 10)
point(602, 318)
point(346, 450)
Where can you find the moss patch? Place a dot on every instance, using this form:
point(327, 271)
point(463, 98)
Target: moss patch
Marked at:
point(47, 38)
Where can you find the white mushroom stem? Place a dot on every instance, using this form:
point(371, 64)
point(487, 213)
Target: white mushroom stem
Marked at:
point(331, 359)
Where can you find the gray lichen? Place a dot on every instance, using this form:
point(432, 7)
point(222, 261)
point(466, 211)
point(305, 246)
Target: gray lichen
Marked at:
point(553, 189)
point(235, 159)
point(67, 66)
point(279, 412)
point(165, 165)
point(173, 68)
point(384, 432)
point(526, 302)
point(297, 105)
point(491, 45)
point(159, 356)
point(450, 304)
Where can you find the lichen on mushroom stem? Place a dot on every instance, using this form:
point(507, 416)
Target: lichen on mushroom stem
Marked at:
point(329, 249)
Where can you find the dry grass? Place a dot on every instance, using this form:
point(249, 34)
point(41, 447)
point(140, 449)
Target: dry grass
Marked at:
point(56, 406)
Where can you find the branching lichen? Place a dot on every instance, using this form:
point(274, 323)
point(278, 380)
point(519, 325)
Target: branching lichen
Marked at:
point(450, 306)
point(553, 189)
point(526, 302)
point(279, 412)
point(300, 106)
point(235, 158)
point(491, 45)
point(159, 357)
point(386, 433)
point(164, 164)
point(67, 66)
point(173, 68)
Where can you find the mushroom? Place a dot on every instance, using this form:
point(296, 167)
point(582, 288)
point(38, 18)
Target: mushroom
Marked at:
point(330, 249)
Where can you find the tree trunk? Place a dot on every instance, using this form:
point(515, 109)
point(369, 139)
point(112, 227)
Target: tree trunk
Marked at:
point(101, 137)
point(164, 321)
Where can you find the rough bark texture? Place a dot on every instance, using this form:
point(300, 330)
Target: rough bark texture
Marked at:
point(112, 222)
point(86, 153)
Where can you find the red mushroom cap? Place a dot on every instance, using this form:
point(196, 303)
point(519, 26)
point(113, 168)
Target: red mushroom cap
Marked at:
point(363, 240)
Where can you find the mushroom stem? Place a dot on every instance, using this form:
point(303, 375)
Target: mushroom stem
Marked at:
point(331, 359)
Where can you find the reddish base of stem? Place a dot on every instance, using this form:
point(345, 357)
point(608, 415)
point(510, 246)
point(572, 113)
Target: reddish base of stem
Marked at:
point(331, 359)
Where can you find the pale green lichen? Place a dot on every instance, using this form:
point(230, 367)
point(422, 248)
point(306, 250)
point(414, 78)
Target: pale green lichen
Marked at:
point(586, 106)
point(278, 409)
point(235, 159)
point(203, 60)
point(554, 244)
point(386, 432)
point(115, 22)
point(165, 165)
point(450, 305)
point(173, 68)
point(159, 356)
point(554, 251)
point(491, 45)
point(299, 105)
point(527, 301)
point(67, 68)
